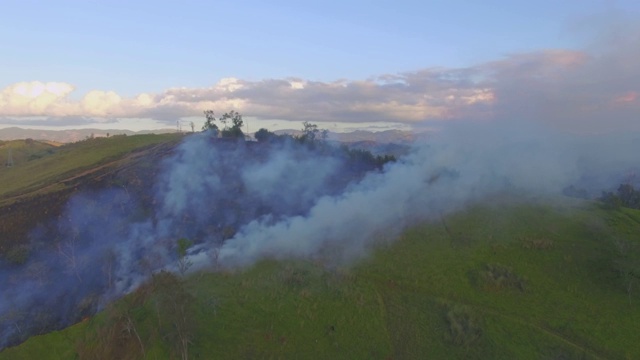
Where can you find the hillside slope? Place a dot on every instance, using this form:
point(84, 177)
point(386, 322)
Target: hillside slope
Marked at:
point(17, 152)
point(504, 281)
point(91, 221)
point(39, 185)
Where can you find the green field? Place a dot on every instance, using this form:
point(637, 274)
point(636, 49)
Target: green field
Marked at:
point(507, 281)
point(18, 152)
point(41, 165)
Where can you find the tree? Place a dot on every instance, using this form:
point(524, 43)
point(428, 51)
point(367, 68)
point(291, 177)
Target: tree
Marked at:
point(231, 124)
point(235, 131)
point(264, 135)
point(629, 196)
point(183, 262)
point(210, 121)
point(309, 132)
point(324, 134)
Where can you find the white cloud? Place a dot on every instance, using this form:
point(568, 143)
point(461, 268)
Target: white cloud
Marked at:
point(34, 98)
point(229, 84)
point(100, 103)
point(285, 99)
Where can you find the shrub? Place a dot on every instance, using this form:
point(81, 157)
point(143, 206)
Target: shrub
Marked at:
point(537, 244)
point(463, 327)
point(499, 277)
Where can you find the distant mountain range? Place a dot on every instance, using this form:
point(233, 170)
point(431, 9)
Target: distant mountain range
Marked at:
point(381, 137)
point(72, 135)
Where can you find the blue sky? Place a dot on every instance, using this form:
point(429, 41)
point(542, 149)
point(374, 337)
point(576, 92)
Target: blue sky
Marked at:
point(130, 48)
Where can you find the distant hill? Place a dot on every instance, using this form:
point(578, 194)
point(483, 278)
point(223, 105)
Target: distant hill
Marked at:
point(387, 136)
point(396, 149)
point(73, 135)
point(70, 135)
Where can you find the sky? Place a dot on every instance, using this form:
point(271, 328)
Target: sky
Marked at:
point(341, 64)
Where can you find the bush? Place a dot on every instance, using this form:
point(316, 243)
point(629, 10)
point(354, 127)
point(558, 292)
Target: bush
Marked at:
point(177, 323)
point(463, 327)
point(116, 338)
point(537, 244)
point(499, 277)
point(264, 135)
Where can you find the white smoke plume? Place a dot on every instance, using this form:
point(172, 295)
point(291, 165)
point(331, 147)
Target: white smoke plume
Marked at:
point(462, 164)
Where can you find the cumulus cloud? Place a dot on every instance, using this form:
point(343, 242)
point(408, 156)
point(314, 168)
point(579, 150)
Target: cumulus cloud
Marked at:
point(100, 103)
point(590, 90)
point(34, 98)
point(407, 98)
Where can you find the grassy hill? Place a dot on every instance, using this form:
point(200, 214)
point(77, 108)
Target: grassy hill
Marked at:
point(38, 164)
point(507, 281)
point(20, 151)
point(44, 177)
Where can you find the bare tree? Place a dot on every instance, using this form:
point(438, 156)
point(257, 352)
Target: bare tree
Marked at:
point(309, 131)
point(183, 262)
point(67, 250)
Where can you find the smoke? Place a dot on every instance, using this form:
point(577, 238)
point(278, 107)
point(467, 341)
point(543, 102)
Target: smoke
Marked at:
point(462, 164)
point(107, 242)
point(240, 203)
point(459, 165)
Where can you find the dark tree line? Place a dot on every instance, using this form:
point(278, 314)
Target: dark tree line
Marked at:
point(312, 137)
point(315, 138)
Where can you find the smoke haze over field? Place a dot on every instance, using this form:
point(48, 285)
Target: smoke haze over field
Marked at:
point(241, 203)
point(462, 164)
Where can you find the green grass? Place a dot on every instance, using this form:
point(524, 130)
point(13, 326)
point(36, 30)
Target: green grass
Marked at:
point(22, 151)
point(422, 296)
point(572, 299)
point(70, 159)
